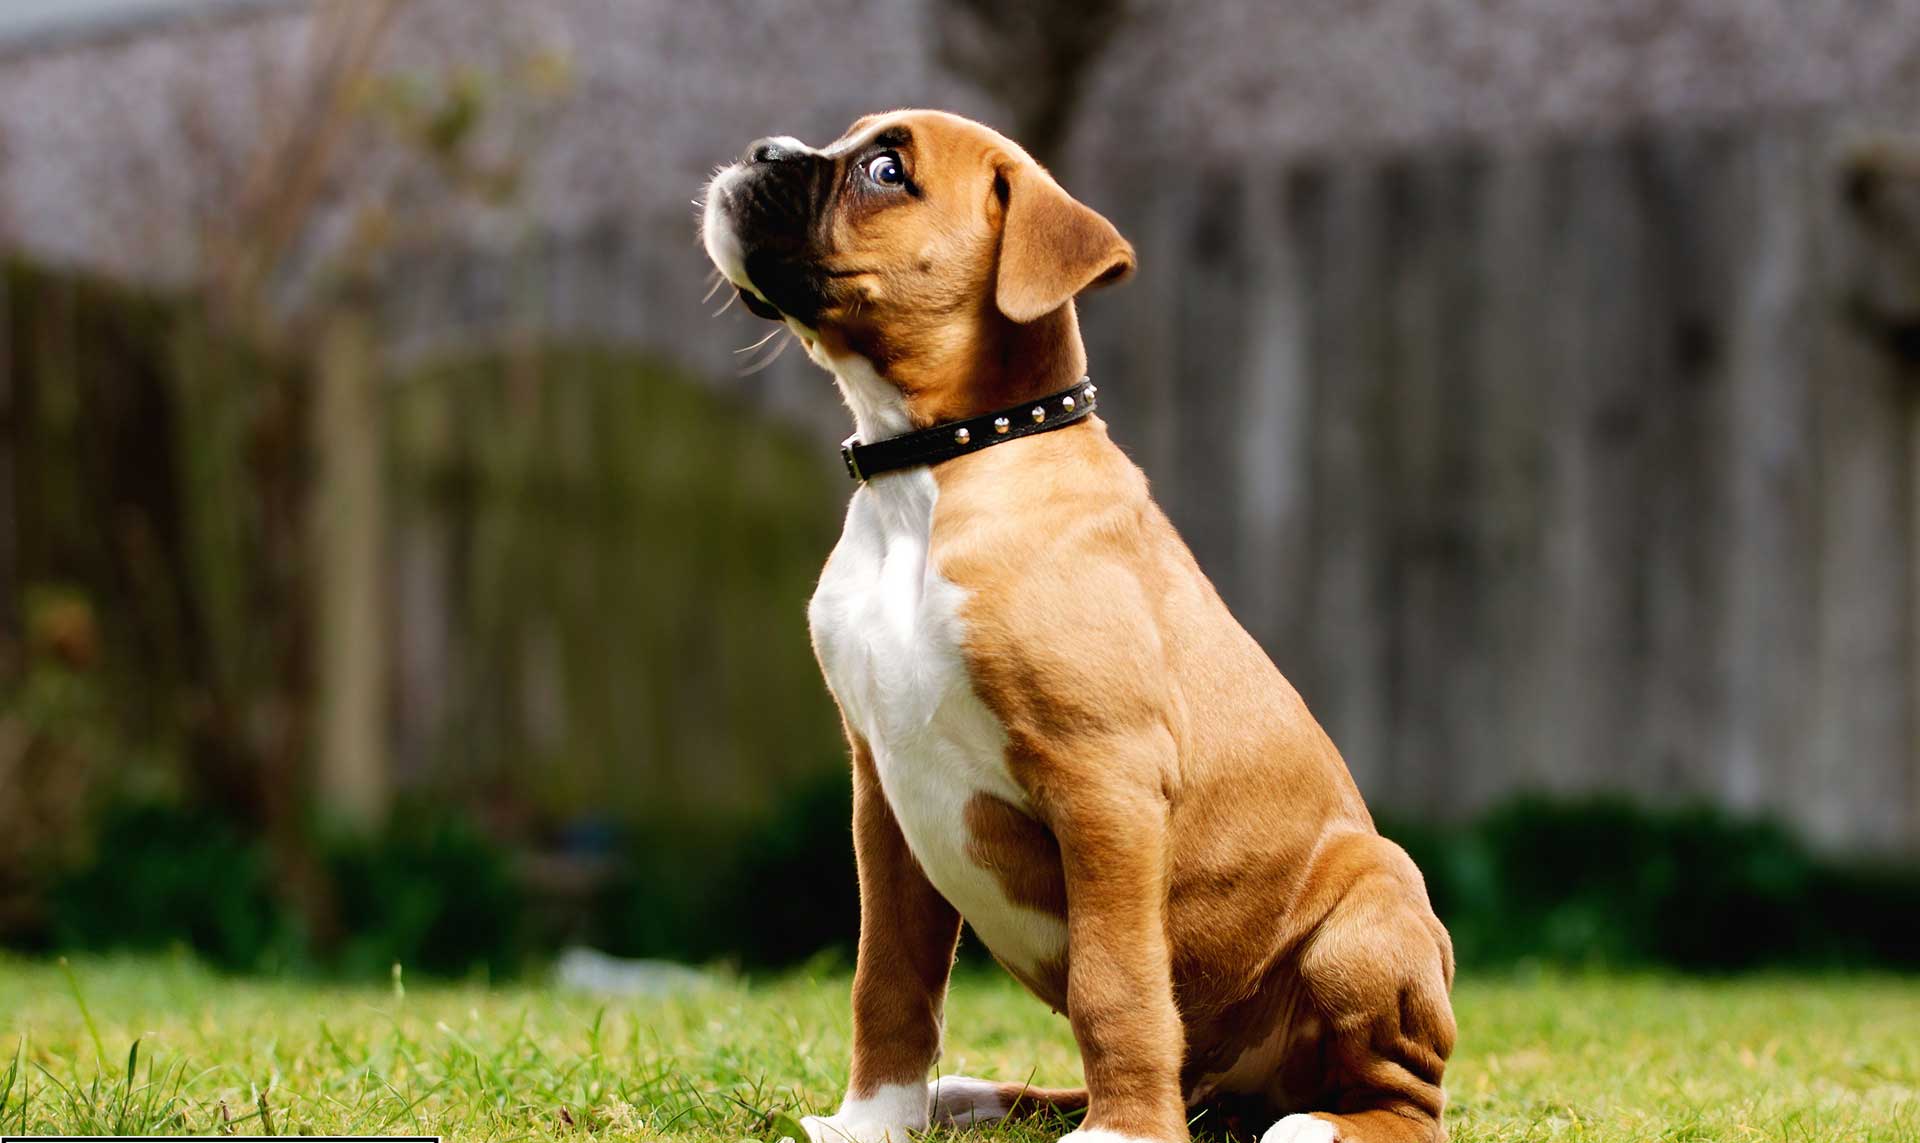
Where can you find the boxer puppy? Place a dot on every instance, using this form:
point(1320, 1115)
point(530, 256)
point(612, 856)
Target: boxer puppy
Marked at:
point(1059, 733)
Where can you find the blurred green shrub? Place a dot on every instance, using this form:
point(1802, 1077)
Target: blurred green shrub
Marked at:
point(797, 868)
point(160, 876)
point(431, 893)
point(775, 891)
point(1606, 882)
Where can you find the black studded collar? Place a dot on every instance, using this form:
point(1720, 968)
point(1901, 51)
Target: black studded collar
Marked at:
point(958, 438)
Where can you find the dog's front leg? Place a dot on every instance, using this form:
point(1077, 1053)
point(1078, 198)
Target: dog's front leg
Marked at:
point(1113, 850)
point(907, 937)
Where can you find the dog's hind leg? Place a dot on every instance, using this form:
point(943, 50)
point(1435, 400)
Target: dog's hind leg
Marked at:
point(962, 1101)
point(1377, 969)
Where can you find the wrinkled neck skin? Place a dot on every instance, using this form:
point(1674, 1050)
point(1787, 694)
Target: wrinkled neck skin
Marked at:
point(898, 385)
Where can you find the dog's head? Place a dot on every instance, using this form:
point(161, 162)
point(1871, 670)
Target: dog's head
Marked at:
point(928, 246)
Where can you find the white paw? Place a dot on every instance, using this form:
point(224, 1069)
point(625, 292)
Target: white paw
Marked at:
point(839, 1129)
point(886, 1116)
point(1301, 1129)
point(962, 1101)
point(1098, 1136)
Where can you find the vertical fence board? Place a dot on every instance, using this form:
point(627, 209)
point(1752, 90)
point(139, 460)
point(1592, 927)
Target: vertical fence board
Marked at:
point(1767, 573)
point(1274, 402)
point(1501, 399)
point(1865, 650)
point(1211, 315)
point(1349, 685)
point(1415, 230)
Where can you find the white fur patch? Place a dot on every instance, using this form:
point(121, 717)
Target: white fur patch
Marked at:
point(962, 1101)
point(721, 241)
point(716, 229)
point(879, 408)
point(886, 1116)
point(889, 635)
point(1097, 1136)
point(1301, 1129)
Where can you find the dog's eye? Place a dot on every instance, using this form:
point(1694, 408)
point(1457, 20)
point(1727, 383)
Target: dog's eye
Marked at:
point(885, 169)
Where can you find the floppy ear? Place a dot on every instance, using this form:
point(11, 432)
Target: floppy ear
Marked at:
point(1051, 246)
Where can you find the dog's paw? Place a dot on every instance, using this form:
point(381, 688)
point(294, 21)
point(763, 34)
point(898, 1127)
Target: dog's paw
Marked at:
point(840, 1129)
point(886, 1116)
point(1301, 1129)
point(962, 1101)
point(1096, 1135)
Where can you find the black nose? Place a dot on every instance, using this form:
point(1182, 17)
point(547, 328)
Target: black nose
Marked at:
point(770, 150)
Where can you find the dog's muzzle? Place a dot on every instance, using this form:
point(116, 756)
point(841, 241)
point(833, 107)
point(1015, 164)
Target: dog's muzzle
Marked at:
point(762, 227)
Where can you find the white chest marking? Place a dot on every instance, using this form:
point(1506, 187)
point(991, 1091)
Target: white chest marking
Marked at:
point(889, 633)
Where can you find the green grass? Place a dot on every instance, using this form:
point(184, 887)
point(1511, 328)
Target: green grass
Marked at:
point(1553, 1057)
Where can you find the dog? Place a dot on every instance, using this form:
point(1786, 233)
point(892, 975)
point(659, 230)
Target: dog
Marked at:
point(1059, 733)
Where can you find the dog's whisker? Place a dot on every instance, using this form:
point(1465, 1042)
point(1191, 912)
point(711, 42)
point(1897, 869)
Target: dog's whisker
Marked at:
point(778, 349)
point(719, 280)
point(761, 342)
point(728, 304)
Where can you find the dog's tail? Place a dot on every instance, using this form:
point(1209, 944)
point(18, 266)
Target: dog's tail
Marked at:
point(961, 1101)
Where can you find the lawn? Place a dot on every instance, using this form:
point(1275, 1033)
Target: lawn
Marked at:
point(1543, 1057)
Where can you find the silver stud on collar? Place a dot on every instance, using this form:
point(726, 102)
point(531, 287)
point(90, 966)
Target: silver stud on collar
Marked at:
point(1091, 390)
point(962, 436)
point(1067, 403)
point(1001, 425)
point(1039, 414)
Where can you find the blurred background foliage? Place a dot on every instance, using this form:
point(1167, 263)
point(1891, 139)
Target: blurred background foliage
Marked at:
point(1592, 884)
point(401, 563)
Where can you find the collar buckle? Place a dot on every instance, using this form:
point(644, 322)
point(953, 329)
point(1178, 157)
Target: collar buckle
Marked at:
point(846, 454)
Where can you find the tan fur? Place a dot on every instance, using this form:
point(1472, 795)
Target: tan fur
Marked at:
point(1236, 928)
point(1019, 851)
point(1025, 857)
point(1051, 246)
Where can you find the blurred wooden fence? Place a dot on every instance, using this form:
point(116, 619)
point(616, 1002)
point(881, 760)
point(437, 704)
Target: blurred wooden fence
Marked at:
point(1589, 465)
point(1571, 466)
point(1584, 465)
point(599, 585)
